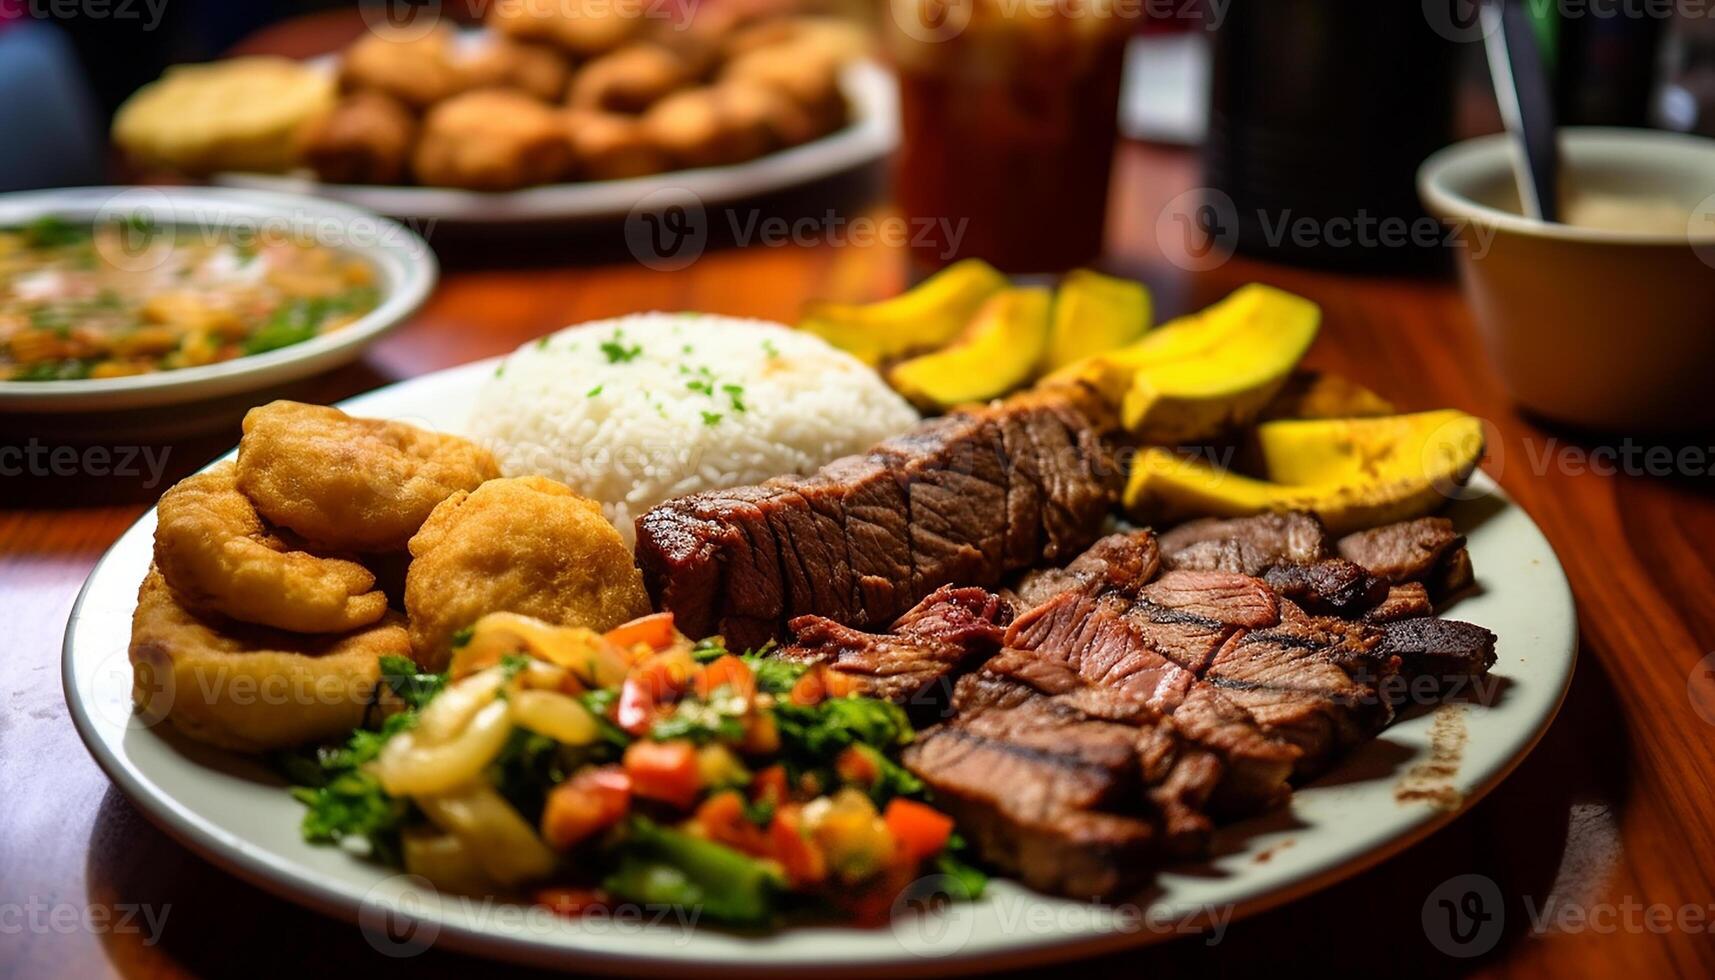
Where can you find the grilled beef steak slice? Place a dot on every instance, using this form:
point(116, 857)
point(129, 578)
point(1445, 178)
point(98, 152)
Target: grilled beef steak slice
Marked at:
point(1333, 585)
point(1425, 550)
point(964, 499)
point(1247, 545)
point(1444, 652)
point(1122, 562)
point(1406, 601)
point(914, 663)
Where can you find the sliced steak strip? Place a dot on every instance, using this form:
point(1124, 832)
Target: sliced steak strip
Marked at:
point(934, 507)
point(1314, 681)
point(915, 661)
point(1224, 597)
point(1407, 601)
point(1333, 586)
point(1444, 653)
point(1247, 545)
point(1425, 550)
point(1121, 562)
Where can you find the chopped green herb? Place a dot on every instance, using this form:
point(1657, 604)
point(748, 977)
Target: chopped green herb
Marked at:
point(769, 349)
point(616, 350)
point(542, 343)
point(711, 419)
point(593, 392)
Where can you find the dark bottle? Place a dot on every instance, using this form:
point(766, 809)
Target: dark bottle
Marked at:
point(1320, 112)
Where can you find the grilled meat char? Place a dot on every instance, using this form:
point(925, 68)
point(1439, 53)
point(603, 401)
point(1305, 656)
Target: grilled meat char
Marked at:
point(1290, 551)
point(915, 662)
point(963, 499)
point(1425, 550)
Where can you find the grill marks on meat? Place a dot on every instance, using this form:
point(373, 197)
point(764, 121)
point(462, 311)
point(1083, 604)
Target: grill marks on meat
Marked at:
point(914, 662)
point(963, 499)
point(1290, 551)
point(1425, 550)
point(1120, 562)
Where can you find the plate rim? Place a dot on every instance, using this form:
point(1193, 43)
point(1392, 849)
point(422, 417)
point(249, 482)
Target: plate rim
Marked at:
point(310, 888)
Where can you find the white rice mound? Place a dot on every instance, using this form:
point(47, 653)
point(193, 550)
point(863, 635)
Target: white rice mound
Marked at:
point(640, 409)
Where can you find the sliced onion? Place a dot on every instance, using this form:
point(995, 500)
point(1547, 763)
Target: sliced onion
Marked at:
point(452, 709)
point(408, 767)
point(554, 715)
point(507, 847)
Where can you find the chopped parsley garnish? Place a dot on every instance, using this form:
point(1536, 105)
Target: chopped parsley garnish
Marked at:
point(542, 343)
point(736, 393)
point(593, 392)
point(769, 349)
point(616, 350)
point(712, 419)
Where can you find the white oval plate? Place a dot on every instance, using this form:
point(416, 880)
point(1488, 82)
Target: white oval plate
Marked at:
point(405, 269)
point(233, 812)
point(872, 134)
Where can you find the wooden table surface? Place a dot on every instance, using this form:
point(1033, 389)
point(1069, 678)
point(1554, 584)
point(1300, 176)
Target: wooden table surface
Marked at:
point(1602, 843)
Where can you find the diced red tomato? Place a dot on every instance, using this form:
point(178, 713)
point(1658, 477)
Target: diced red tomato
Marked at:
point(802, 860)
point(729, 672)
point(856, 766)
point(656, 680)
point(722, 818)
point(584, 805)
point(919, 830)
point(654, 631)
point(572, 902)
point(665, 771)
point(770, 785)
point(871, 904)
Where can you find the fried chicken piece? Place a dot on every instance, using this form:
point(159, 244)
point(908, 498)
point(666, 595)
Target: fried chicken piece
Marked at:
point(218, 555)
point(835, 37)
point(610, 146)
point(582, 28)
point(628, 80)
point(526, 545)
point(754, 103)
point(249, 687)
point(804, 71)
point(351, 484)
point(492, 140)
point(366, 139)
point(698, 128)
point(419, 71)
point(535, 69)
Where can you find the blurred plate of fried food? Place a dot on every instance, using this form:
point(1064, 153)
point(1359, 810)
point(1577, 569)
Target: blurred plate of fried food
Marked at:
point(547, 112)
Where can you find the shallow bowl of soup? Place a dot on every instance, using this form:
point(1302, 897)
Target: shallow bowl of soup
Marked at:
point(118, 298)
point(1602, 320)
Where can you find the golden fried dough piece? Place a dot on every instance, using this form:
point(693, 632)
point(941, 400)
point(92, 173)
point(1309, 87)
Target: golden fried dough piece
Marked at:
point(753, 103)
point(610, 146)
point(525, 545)
point(220, 558)
point(238, 114)
point(628, 80)
point(583, 28)
point(696, 128)
point(835, 37)
point(249, 687)
point(803, 71)
point(535, 69)
point(351, 484)
point(366, 139)
point(492, 140)
point(418, 71)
